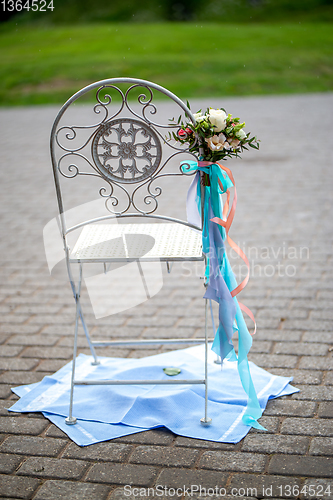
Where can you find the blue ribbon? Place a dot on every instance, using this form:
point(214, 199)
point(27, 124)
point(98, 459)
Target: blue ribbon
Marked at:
point(220, 279)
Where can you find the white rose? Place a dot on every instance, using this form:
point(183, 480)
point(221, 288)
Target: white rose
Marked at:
point(199, 117)
point(217, 117)
point(240, 134)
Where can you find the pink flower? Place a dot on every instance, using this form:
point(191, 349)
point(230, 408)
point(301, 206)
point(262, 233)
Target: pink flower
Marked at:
point(233, 143)
point(182, 134)
point(188, 131)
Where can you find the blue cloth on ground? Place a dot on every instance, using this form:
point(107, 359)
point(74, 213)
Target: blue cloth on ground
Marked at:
point(106, 411)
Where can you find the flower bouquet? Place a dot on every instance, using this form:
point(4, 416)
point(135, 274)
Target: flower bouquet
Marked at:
point(216, 135)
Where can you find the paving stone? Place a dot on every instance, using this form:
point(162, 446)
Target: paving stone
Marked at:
point(4, 337)
point(289, 407)
point(179, 478)
point(117, 332)
point(275, 444)
point(58, 468)
point(19, 329)
point(325, 410)
point(19, 487)
point(158, 436)
point(260, 346)
point(68, 341)
point(164, 456)
point(260, 486)
point(233, 461)
point(37, 309)
point(325, 337)
point(140, 475)
point(293, 293)
point(188, 312)
point(302, 348)
point(101, 452)
point(54, 489)
point(282, 313)
point(200, 443)
point(273, 360)
point(307, 426)
point(58, 330)
point(38, 340)
point(50, 365)
point(270, 423)
point(165, 333)
point(32, 445)
point(267, 323)
point(51, 319)
point(310, 377)
point(314, 393)
point(148, 321)
point(16, 364)
point(307, 324)
point(316, 363)
point(48, 352)
point(291, 465)
point(326, 314)
point(9, 463)
point(20, 377)
point(55, 432)
point(13, 318)
point(321, 446)
point(5, 404)
point(328, 378)
point(22, 425)
point(5, 391)
point(325, 294)
point(279, 335)
point(10, 350)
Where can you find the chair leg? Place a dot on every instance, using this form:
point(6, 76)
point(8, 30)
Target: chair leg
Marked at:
point(218, 358)
point(86, 332)
point(83, 321)
point(70, 420)
point(206, 420)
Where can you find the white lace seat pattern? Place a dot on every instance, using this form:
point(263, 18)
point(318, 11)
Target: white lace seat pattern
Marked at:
point(149, 242)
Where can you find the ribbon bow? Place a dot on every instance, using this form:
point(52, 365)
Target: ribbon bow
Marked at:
point(221, 284)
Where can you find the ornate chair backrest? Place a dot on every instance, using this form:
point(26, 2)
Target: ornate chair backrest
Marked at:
point(126, 149)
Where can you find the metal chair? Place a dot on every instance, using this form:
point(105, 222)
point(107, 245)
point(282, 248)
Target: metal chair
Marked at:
point(126, 151)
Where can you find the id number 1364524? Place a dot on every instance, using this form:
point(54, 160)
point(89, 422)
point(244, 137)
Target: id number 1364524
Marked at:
point(20, 5)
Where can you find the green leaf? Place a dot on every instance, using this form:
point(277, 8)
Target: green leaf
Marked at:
point(171, 371)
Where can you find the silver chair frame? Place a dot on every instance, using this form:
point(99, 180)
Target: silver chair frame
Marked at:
point(68, 133)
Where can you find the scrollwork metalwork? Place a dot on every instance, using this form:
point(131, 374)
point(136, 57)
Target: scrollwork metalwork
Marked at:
point(126, 150)
point(72, 167)
point(121, 150)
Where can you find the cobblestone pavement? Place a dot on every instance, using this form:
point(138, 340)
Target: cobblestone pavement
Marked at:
point(283, 221)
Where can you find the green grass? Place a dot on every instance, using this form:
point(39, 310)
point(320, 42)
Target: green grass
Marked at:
point(47, 64)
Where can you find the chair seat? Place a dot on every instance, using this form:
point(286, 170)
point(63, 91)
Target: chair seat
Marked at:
point(149, 242)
